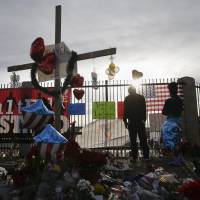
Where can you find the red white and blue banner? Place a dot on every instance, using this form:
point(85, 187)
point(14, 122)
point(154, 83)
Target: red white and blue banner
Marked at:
point(13, 99)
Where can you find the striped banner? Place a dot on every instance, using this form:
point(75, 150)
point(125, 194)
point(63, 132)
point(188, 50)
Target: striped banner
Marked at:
point(53, 152)
point(35, 121)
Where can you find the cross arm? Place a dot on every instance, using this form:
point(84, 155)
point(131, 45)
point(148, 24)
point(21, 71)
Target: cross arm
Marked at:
point(84, 56)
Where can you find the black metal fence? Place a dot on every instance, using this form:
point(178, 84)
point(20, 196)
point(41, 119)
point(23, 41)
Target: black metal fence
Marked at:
point(109, 133)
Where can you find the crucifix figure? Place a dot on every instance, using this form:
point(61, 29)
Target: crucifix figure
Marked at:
point(83, 56)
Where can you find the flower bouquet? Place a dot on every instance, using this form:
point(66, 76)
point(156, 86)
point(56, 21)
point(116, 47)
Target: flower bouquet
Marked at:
point(190, 189)
point(90, 164)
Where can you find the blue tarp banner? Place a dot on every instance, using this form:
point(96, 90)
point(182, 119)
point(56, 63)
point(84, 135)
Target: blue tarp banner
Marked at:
point(50, 135)
point(76, 109)
point(38, 108)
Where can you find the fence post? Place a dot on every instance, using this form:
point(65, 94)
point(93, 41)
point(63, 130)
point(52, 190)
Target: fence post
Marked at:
point(106, 121)
point(190, 114)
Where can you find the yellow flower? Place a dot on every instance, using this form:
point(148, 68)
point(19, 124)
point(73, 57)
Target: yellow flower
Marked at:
point(56, 168)
point(99, 189)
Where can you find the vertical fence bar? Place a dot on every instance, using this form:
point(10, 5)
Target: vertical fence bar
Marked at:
point(106, 121)
point(99, 127)
point(117, 130)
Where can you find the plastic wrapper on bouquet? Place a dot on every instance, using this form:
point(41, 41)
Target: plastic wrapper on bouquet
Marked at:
point(36, 116)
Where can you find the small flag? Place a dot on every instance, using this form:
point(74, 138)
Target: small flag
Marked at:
point(76, 109)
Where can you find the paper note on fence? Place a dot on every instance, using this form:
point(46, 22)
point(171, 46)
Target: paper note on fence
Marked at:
point(103, 110)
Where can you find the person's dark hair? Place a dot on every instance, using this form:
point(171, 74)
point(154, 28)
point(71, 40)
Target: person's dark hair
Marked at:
point(131, 90)
point(173, 88)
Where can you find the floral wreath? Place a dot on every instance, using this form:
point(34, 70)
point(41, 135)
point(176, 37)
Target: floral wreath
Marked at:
point(69, 71)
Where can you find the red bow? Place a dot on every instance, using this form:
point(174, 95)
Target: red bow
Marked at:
point(77, 81)
point(37, 49)
point(48, 63)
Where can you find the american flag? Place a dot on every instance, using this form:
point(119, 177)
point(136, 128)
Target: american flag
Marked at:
point(156, 94)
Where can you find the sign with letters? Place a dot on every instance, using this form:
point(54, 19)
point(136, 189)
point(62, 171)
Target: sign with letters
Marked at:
point(13, 99)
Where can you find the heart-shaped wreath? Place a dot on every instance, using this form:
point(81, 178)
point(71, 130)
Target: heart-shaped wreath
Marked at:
point(46, 64)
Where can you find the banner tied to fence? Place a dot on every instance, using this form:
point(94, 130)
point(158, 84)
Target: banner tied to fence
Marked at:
point(13, 99)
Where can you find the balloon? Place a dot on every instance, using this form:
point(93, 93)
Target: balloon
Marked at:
point(94, 80)
point(111, 71)
point(94, 76)
point(111, 77)
point(136, 74)
point(78, 93)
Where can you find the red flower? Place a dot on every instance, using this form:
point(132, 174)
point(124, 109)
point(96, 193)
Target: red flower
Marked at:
point(33, 152)
point(19, 179)
point(191, 189)
point(37, 49)
point(92, 159)
point(77, 81)
point(72, 150)
point(48, 63)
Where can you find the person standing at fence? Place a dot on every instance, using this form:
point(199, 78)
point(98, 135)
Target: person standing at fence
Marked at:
point(171, 129)
point(134, 119)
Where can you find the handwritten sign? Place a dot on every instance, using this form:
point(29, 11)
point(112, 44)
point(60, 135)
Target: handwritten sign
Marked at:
point(103, 110)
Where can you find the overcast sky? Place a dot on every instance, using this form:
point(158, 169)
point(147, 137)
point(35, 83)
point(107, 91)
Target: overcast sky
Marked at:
point(161, 38)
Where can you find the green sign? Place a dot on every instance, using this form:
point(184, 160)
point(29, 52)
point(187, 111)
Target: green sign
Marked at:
point(103, 110)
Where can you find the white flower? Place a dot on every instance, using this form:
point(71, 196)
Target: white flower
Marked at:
point(85, 185)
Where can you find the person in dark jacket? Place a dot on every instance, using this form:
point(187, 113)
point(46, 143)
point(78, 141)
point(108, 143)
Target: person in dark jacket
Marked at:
point(173, 106)
point(171, 130)
point(134, 119)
